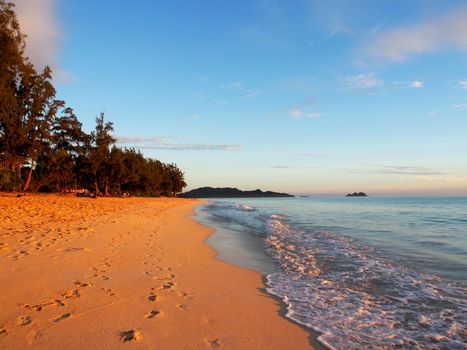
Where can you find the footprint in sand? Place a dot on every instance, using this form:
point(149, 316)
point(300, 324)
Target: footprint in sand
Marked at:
point(152, 297)
point(40, 306)
point(23, 320)
point(71, 294)
point(60, 317)
point(214, 343)
point(3, 330)
point(152, 314)
point(168, 285)
point(81, 284)
point(168, 277)
point(33, 336)
point(130, 335)
point(109, 291)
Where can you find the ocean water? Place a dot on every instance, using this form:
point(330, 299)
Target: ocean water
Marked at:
point(366, 273)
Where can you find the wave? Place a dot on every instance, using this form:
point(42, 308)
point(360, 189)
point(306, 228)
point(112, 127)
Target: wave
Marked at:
point(244, 207)
point(357, 299)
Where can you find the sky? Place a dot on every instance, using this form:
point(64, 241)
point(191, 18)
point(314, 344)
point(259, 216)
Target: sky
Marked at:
point(300, 96)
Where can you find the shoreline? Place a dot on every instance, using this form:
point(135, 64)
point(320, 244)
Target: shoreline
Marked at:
point(109, 272)
point(282, 310)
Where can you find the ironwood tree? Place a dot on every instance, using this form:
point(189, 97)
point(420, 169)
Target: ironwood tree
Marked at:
point(43, 146)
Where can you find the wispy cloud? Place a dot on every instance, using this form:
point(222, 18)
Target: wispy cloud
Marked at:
point(313, 115)
point(168, 143)
point(397, 170)
point(308, 154)
point(460, 106)
point(240, 86)
point(39, 21)
point(292, 167)
point(416, 84)
point(463, 84)
point(446, 32)
point(362, 81)
point(409, 84)
point(450, 178)
point(252, 93)
point(297, 113)
point(281, 166)
point(219, 102)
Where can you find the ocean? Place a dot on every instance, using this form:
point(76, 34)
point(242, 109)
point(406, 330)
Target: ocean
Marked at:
point(363, 272)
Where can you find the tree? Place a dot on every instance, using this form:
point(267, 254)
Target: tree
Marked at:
point(27, 99)
point(11, 64)
point(55, 151)
point(99, 153)
point(38, 107)
point(56, 166)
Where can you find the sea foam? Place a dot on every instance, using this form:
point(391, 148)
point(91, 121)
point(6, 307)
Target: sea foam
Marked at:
point(357, 299)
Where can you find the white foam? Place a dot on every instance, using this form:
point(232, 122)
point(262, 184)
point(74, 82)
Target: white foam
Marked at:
point(245, 207)
point(357, 299)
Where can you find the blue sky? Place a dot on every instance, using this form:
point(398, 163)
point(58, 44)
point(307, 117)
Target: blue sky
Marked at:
point(307, 97)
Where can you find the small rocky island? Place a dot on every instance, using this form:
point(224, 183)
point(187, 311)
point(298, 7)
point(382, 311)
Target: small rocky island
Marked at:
point(357, 194)
point(229, 192)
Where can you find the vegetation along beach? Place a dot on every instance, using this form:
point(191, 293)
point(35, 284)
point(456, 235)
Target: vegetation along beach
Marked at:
point(253, 174)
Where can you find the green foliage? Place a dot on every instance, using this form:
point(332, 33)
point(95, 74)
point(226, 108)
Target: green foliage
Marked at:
point(9, 181)
point(43, 146)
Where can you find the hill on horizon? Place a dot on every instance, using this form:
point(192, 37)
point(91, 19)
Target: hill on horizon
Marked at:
point(229, 192)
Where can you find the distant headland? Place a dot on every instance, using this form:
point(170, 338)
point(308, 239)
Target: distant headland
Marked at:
point(229, 192)
point(357, 194)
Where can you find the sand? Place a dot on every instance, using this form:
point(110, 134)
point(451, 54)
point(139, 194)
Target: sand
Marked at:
point(111, 273)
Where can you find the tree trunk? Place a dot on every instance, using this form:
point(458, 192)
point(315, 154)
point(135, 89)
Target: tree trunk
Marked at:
point(96, 187)
point(106, 189)
point(28, 180)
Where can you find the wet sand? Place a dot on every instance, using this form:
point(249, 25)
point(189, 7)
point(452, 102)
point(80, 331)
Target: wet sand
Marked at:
point(119, 273)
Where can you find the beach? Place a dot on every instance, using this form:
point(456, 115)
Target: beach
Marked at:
point(126, 273)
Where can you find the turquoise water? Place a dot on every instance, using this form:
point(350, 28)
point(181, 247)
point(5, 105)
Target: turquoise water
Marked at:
point(371, 272)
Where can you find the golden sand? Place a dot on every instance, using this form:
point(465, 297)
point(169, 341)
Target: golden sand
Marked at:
point(80, 273)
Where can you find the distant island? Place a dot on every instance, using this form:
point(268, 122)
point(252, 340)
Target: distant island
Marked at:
point(357, 194)
point(229, 192)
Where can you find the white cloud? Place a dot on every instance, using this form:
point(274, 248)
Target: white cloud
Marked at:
point(447, 32)
point(449, 178)
point(196, 116)
point(362, 81)
point(252, 93)
point(39, 21)
point(432, 114)
point(416, 84)
point(461, 106)
point(396, 170)
point(296, 113)
point(463, 84)
point(314, 115)
point(240, 86)
point(167, 143)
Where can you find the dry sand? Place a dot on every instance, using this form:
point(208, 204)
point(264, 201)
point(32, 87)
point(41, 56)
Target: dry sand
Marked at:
point(79, 273)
